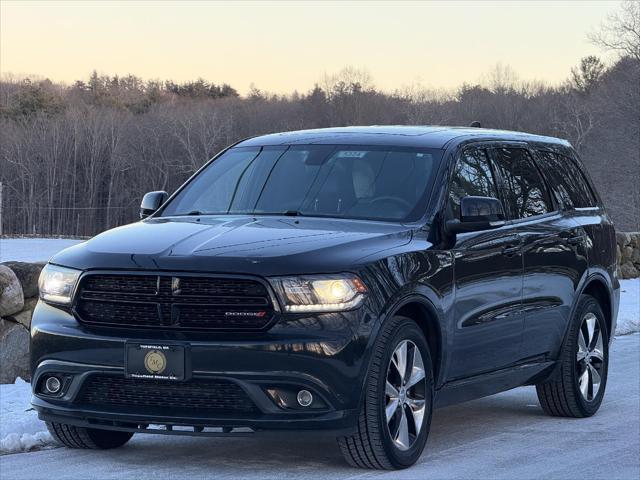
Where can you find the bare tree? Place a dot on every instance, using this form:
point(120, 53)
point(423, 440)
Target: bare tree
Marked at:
point(75, 160)
point(620, 32)
point(501, 78)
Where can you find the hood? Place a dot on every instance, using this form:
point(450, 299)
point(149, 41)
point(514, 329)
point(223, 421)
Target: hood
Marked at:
point(239, 244)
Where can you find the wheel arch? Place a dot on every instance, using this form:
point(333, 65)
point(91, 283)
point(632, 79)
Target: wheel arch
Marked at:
point(597, 288)
point(421, 311)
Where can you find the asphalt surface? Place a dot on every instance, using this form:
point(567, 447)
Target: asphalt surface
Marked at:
point(503, 436)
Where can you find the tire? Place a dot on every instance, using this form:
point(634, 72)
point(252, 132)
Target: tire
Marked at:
point(561, 395)
point(373, 445)
point(92, 438)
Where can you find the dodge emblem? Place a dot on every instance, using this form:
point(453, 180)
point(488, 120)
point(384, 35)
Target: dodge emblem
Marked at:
point(175, 286)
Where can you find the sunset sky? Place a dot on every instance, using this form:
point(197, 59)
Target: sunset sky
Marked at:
point(284, 46)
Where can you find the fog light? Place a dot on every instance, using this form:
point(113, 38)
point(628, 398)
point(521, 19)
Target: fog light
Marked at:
point(53, 385)
point(305, 398)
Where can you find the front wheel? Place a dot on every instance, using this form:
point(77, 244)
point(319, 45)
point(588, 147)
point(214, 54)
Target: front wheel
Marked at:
point(396, 414)
point(577, 388)
point(79, 437)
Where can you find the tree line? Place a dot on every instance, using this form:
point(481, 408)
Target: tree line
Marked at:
point(76, 159)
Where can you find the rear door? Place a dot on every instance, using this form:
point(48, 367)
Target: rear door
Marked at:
point(551, 247)
point(488, 279)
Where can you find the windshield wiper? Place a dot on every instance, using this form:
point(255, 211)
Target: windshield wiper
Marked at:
point(286, 213)
point(195, 213)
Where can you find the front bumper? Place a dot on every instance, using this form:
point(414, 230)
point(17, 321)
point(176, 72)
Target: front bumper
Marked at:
point(326, 354)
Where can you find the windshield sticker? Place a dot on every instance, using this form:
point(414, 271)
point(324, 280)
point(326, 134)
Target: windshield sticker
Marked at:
point(351, 154)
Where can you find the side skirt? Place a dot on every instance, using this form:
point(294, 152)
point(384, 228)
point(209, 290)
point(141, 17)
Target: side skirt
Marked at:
point(490, 383)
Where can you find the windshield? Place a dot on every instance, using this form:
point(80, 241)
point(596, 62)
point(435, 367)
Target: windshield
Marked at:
point(375, 183)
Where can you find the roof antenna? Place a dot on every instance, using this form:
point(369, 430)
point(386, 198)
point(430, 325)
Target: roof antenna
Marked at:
point(475, 124)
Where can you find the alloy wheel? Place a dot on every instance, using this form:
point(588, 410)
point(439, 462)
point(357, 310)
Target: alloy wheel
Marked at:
point(405, 394)
point(590, 357)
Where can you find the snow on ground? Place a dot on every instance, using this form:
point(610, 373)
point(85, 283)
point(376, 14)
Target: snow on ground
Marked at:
point(32, 249)
point(20, 428)
point(629, 313)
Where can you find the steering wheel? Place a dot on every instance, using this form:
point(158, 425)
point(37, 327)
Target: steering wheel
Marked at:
point(398, 201)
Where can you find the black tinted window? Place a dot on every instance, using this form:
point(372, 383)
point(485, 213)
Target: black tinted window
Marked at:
point(472, 177)
point(566, 180)
point(523, 188)
point(381, 183)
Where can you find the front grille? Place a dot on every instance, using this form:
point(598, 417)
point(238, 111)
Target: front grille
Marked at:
point(150, 396)
point(174, 302)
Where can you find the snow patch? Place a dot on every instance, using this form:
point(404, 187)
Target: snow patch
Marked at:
point(14, 442)
point(32, 249)
point(20, 428)
point(629, 311)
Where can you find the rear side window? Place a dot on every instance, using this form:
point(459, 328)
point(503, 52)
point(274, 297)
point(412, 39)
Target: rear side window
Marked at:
point(472, 177)
point(567, 180)
point(524, 191)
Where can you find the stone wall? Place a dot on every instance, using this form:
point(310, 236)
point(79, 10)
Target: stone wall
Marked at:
point(628, 254)
point(18, 298)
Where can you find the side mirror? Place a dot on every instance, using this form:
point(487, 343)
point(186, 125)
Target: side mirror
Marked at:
point(151, 202)
point(477, 213)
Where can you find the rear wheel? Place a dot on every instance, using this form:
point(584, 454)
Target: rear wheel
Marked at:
point(578, 387)
point(93, 438)
point(396, 415)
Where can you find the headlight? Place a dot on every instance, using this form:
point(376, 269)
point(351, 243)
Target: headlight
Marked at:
point(57, 284)
point(319, 293)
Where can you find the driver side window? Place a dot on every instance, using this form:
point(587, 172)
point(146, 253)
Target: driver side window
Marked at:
point(472, 177)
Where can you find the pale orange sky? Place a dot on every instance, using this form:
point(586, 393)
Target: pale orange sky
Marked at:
point(282, 46)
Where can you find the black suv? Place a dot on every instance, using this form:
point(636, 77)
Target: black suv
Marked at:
point(344, 280)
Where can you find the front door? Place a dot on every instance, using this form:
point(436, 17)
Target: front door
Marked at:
point(488, 280)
